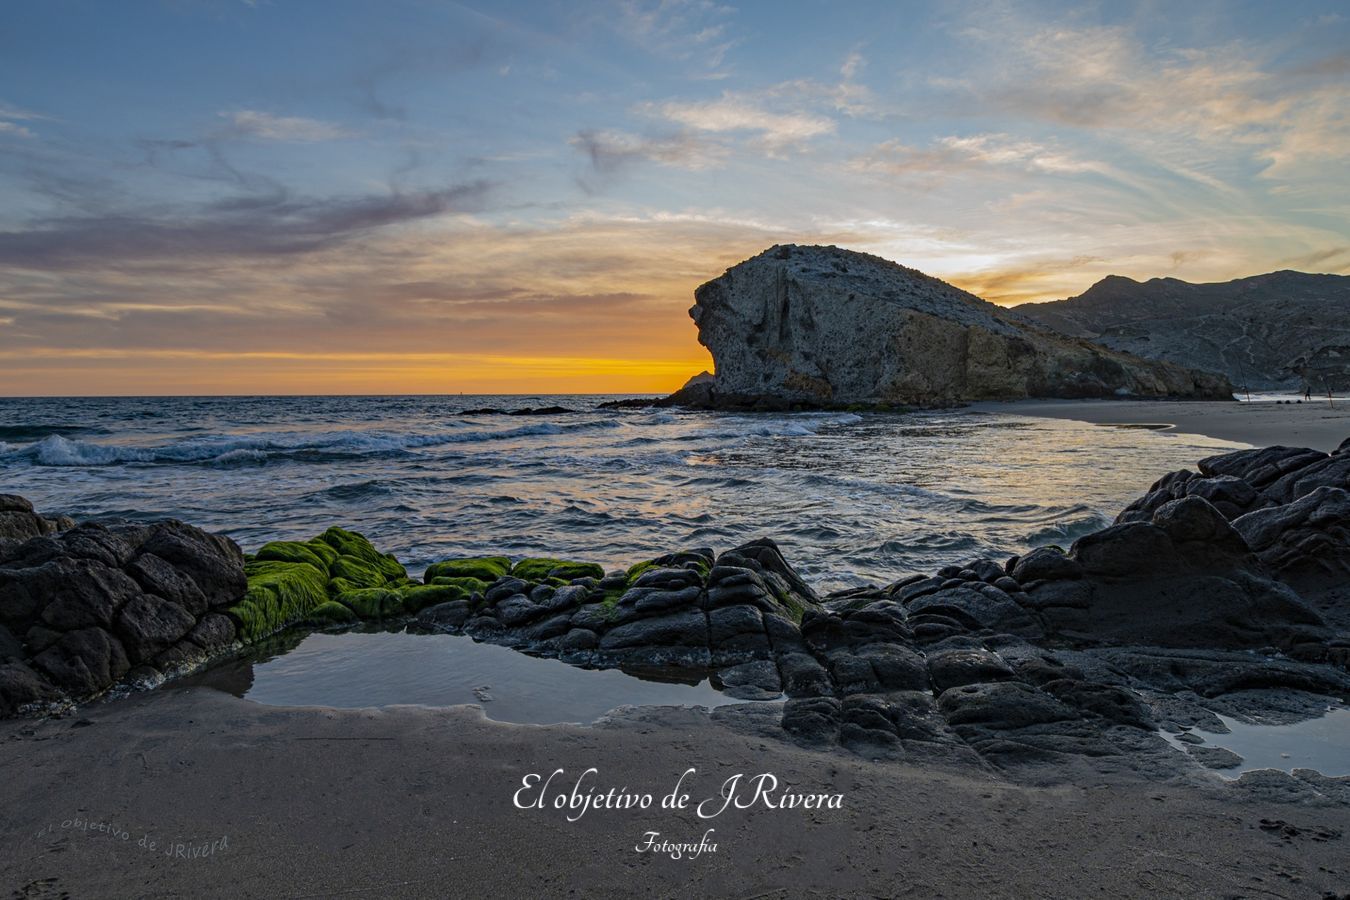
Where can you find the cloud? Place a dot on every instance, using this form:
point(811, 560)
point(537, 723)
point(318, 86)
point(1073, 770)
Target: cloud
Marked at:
point(249, 226)
point(952, 155)
point(10, 116)
point(252, 123)
point(678, 29)
point(734, 112)
point(1217, 100)
point(1330, 259)
point(610, 151)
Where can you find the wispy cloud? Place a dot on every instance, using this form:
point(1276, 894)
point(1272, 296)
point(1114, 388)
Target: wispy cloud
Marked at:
point(611, 151)
point(265, 126)
point(1106, 78)
point(953, 155)
point(732, 112)
point(11, 116)
point(15, 130)
point(693, 30)
point(266, 226)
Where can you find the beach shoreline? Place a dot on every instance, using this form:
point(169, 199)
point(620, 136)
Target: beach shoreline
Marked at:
point(1316, 424)
point(410, 802)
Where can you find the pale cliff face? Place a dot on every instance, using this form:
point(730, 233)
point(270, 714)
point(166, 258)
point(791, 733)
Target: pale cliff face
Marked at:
point(820, 325)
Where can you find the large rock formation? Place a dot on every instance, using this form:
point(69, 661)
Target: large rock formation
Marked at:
point(82, 608)
point(824, 326)
point(1281, 330)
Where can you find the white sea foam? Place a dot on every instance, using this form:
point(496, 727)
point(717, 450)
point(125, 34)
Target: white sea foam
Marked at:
point(55, 450)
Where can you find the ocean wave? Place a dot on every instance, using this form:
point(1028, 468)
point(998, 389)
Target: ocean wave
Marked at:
point(364, 490)
point(801, 425)
point(1066, 532)
point(58, 450)
point(23, 433)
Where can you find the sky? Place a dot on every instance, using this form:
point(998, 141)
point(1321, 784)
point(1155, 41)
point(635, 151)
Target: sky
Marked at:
point(323, 196)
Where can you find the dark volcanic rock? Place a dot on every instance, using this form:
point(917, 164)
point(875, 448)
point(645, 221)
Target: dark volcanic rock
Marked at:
point(685, 629)
point(147, 625)
point(96, 599)
point(19, 521)
point(1305, 543)
point(83, 662)
point(212, 561)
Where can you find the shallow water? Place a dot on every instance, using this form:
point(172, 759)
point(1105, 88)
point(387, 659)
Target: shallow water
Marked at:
point(1322, 744)
point(852, 499)
point(357, 669)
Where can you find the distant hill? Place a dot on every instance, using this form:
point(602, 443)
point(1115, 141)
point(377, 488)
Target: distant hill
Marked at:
point(1268, 331)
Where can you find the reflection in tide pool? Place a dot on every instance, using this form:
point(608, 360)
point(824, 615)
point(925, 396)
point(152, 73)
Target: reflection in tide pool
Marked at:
point(1322, 744)
point(382, 668)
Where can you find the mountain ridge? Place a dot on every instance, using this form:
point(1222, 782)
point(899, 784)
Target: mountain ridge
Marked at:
point(1282, 329)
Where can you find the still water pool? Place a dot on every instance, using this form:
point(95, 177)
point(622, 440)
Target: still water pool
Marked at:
point(359, 669)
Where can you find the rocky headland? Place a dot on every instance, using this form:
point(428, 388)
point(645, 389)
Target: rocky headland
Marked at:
point(1222, 589)
point(1280, 330)
point(810, 326)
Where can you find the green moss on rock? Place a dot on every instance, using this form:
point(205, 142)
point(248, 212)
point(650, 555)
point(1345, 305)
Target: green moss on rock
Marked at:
point(373, 603)
point(331, 612)
point(357, 572)
point(295, 552)
point(279, 593)
point(470, 585)
point(484, 568)
point(542, 568)
point(350, 543)
point(323, 551)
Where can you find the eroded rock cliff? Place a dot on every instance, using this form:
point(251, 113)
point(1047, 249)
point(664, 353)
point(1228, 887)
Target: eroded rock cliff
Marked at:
point(824, 326)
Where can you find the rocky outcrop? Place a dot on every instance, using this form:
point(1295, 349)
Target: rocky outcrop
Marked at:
point(1055, 658)
point(1223, 590)
point(84, 608)
point(1291, 505)
point(1281, 330)
point(687, 610)
point(19, 522)
point(820, 326)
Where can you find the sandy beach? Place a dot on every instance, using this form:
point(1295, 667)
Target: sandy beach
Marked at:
point(407, 802)
point(1315, 424)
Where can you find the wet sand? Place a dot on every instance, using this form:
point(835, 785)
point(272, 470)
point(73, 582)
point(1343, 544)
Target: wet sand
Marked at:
point(410, 802)
point(1314, 424)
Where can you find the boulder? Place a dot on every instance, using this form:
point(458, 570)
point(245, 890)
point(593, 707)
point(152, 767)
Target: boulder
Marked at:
point(148, 625)
point(682, 629)
point(1306, 543)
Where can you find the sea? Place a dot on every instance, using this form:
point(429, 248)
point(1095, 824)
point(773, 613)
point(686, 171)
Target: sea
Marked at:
point(851, 499)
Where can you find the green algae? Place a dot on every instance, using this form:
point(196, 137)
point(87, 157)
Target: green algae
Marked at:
point(331, 612)
point(357, 572)
point(350, 543)
point(373, 603)
point(484, 568)
point(300, 581)
point(278, 594)
point(539, 569)
point(295, 552)
point(470, 585)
